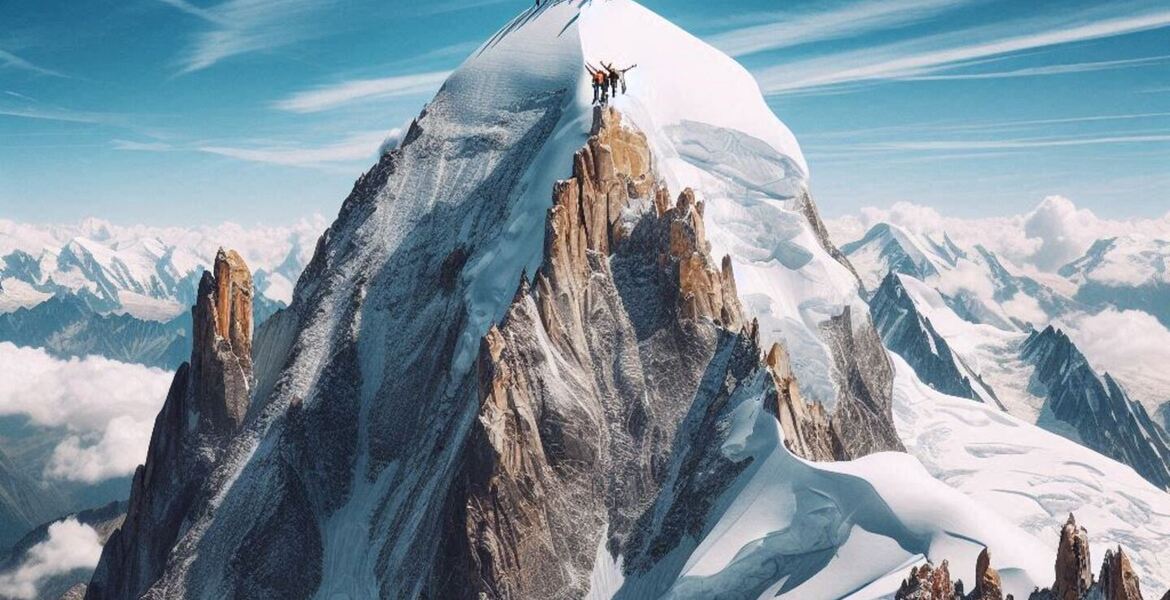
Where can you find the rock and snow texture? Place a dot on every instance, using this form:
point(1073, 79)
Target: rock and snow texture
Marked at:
point(1034, 478)
point(1098, 408)
point(909, 333)
point(418, 427)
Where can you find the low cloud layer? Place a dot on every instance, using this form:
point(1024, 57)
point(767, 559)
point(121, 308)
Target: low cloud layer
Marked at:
point(1055, 233)
point(1122, 341)
point(70, 545)
point(107, 407)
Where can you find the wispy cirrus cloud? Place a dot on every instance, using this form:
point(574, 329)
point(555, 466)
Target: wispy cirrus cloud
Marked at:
point(354, 148)
point(334, 96)
point(785, 30)
point(245, 26)
point(1047, 70)
point(194, 11)
point(239, 27)
point(10, 60)
point(939, 52)
point(1017, 144)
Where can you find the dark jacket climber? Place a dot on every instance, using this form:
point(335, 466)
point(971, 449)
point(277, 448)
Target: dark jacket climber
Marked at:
point(616, 76)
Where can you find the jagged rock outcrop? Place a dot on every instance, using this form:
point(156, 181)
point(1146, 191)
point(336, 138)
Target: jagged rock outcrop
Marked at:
point(1074, 575)
point(930, 583)
point(861, 417)
point(987, 582)
point(206, 405)
point(1074, 579)
point(1100, 411)
point(808, 431)
point(1118, 581)
point(584, 383)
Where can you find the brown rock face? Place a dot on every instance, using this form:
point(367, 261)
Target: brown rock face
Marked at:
point(233, 302)
point(1074, 575)
point(207, 404)
point(807, 430)
point(221, 357)
point(987, 583)
point(1118, 580)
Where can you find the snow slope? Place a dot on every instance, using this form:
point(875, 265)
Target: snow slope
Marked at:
point(792, 529)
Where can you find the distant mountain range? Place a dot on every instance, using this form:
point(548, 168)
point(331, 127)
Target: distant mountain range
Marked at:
point(148, 273)
point(970, 327)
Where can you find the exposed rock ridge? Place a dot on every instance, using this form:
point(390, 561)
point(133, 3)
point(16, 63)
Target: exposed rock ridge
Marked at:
point(1104, 416)
point(627, 326)
point(583, 384)
point(927, 582)
point(205, 406)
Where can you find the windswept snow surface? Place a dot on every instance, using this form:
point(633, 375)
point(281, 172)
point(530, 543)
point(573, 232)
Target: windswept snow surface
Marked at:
point(1034, 479)
point(788, 528)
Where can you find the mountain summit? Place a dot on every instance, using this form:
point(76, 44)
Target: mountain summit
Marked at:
point(528, 361)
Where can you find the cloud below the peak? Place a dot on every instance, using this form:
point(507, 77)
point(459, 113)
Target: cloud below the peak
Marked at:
point(70, 545)
point(107, 409)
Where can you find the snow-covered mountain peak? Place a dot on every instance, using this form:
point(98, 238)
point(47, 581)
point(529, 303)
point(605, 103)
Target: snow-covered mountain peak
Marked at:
point(1129, 260)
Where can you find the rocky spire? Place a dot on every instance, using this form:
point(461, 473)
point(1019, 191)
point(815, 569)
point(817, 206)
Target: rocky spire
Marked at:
point(987, 583)
point(1118, 580)
point(207, 403)
point(221, 356)
point(1074, 575)
point(806, 427)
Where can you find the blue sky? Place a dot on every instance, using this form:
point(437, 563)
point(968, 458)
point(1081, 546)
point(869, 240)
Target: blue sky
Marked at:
point(196, 112)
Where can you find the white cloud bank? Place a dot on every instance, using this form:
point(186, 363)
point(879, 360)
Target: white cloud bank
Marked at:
point(71, 545)
point(1055, 233)
point(1122, 341)
point(107, 407)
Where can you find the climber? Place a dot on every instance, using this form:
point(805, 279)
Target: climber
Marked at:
point(617, 75)
point(600, 90)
